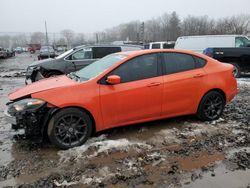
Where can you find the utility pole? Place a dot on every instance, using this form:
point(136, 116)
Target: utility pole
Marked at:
point(97, 38)
point(47, 39)
point(142, 32)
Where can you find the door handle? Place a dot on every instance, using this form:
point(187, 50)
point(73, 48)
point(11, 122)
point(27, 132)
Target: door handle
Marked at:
point(154, 84)
point(198, 75)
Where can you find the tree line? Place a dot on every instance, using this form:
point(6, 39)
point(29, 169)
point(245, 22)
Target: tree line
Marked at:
point(167, 27)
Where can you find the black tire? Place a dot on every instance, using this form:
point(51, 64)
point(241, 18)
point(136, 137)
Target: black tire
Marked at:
point(211, 106)
point(69, 128)
point(51, 74)
point(237, 71)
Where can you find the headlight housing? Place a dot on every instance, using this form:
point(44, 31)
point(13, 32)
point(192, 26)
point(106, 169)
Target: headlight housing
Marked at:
point(25, 105)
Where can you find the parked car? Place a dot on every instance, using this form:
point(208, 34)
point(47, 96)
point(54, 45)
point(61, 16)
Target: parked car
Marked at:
point(10, 52)
point(239, 57)
point(60, 50)
point(19, 50)
point(72, 60)
point(121, 89)
point(46, 52)
point(3, 53)
point(200, 43)
point(160, 45)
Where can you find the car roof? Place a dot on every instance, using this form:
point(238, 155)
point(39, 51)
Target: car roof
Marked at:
point(201, 36)
point(143, 52)
point(107, 45)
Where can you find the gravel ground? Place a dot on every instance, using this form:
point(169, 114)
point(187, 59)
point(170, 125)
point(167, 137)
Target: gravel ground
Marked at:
point(178, 152)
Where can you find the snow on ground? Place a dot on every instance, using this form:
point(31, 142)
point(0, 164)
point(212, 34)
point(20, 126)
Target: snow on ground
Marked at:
point(243, 81)
point(98, 145)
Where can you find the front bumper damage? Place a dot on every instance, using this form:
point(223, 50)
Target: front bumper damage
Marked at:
point(33, 122)
point(35, 74)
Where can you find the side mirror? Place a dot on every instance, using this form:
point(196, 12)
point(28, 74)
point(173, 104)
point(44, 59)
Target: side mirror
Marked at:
point(113, 79)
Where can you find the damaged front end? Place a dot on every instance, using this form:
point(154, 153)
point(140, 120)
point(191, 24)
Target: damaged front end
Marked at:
point(34, 74)
point(29, 114)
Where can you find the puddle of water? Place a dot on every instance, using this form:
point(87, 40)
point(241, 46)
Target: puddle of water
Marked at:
point(28, 179)
point(199, 160)
point(223, 178)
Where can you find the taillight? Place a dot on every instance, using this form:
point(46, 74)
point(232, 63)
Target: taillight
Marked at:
point(209, 52)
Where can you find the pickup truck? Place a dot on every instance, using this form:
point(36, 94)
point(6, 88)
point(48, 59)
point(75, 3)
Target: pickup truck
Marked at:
point(239, 57)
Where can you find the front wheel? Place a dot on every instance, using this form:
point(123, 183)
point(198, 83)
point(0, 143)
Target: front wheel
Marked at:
point(211, 106)
point(69, 128)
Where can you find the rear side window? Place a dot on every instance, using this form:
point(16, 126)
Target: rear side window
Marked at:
point(177, 62)
point(156, 46)
point(138, 68)
point(100, 52)
point(168, 46)
point(200, 62)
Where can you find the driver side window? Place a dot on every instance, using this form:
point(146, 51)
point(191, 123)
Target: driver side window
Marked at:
point(241, 42)
point(81, 55)
point(138, 68)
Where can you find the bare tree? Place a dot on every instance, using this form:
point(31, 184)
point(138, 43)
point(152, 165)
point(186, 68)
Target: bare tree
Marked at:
point(174, 27)
point(153, 30)
point(234, 25)
point(19, 40)
point(69, 36)
point(164, 22)
point(79, 39)
point(5, 41)
point(38, 37)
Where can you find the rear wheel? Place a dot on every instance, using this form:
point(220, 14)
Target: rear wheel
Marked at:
point(211, 106)
point(69, 128)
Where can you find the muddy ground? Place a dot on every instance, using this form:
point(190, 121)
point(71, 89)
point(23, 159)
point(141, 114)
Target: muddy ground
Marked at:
point(178, 152)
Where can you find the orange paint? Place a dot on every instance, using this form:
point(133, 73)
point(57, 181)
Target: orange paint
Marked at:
point(136, 101)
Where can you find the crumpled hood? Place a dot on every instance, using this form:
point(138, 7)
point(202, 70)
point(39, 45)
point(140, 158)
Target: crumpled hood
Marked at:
point(42, 85)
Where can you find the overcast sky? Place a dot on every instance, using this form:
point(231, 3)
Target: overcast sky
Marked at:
point(89, 16)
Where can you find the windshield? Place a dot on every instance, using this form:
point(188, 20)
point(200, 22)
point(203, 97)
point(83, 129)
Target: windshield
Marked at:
point(98, 67)
point(64, 54)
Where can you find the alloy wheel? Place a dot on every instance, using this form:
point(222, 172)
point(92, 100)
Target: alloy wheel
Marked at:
point(213, 106)
point(70, 130)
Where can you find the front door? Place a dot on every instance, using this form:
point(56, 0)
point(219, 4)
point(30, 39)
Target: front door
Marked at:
point(137, 97)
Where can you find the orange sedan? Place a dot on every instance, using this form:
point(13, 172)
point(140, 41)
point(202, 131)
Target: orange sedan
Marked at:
point(121, 89)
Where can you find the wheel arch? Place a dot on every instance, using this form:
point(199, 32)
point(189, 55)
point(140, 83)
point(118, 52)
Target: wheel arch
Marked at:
point(54, 111)
point(46, 71)
point(215, 89)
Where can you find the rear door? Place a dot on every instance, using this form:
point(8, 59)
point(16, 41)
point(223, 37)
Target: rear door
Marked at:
point(183, 83)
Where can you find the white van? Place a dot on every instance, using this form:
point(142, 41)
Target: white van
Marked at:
point(200, 43)
point(160, 45)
